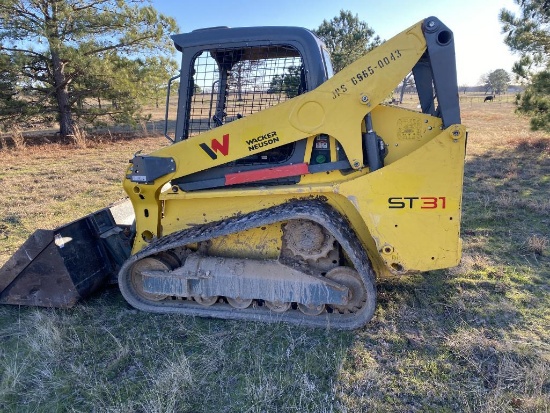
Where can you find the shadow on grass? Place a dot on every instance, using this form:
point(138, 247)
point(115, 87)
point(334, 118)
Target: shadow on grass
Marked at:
point(473, 338)
point(105, 356)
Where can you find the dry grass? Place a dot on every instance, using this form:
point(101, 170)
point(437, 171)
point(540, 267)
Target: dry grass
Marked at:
point(51, 184)
point(17, 137)
point(470, 339)
point(80, 137)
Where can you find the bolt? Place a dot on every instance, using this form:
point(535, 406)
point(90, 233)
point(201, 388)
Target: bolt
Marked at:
point(431, 24)
point(364, 99)
point(456, 133)
point(356, 164)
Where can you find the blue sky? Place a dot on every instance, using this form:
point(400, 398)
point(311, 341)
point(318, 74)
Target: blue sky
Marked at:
point(479, 42)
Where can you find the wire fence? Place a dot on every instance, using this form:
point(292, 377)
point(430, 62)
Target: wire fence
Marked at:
point(155, 126)
point(488, 99)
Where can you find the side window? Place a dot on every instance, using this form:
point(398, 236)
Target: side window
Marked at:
point(228, 84)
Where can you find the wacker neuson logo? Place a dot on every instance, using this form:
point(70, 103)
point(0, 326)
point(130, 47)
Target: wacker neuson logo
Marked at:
point(216, 146)
point(262, 140)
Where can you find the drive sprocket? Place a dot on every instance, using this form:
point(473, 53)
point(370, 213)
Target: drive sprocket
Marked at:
point(307, 239)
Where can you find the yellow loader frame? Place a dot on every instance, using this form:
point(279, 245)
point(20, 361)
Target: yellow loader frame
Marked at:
point(406, 214)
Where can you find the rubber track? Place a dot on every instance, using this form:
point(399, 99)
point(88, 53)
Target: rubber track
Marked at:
point(314, 210)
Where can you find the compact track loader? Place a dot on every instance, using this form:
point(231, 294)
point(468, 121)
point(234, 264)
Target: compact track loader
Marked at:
point(285, 192)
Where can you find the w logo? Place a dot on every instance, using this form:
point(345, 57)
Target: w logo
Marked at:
point(216, 146)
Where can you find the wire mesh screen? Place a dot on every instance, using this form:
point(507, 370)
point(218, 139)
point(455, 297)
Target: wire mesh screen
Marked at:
point(231, 83)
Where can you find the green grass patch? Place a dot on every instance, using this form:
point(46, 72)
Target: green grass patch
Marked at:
point(474, 338)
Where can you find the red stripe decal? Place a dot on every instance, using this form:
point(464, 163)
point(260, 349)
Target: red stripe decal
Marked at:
point(267, 173)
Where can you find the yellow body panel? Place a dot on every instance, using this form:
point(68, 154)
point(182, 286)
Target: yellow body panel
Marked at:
point(406, 214)
point(257, 243)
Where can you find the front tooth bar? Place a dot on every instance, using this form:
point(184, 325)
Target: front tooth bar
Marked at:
point(244, 279)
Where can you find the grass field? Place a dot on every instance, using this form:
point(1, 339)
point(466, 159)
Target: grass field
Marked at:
point(475, 338)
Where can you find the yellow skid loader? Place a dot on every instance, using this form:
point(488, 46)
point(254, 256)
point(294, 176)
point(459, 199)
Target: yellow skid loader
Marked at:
point(286, 191)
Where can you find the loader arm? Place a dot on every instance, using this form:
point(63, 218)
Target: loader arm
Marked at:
point(335, 108)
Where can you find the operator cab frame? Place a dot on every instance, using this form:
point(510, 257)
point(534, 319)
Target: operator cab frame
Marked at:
point(228, 47)
point(229, 73)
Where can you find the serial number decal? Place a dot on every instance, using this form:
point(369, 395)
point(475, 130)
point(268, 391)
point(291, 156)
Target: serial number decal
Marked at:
point(341, 89)
point(367, 72)
point(422, 202)
point(262, 141)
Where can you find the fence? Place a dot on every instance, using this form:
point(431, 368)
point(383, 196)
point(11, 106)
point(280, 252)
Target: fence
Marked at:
point(498, 99)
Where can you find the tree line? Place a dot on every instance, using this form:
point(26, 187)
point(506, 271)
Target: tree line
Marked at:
point(81, 60)
point(99, 61)
point(496, 82)
point(529, 35)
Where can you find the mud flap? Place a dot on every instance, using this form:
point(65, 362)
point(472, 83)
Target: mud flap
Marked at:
point(56, 268)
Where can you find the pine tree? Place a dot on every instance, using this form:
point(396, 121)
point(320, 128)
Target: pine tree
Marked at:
point(74, 56)
point(529, 35)
point(347, 38)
